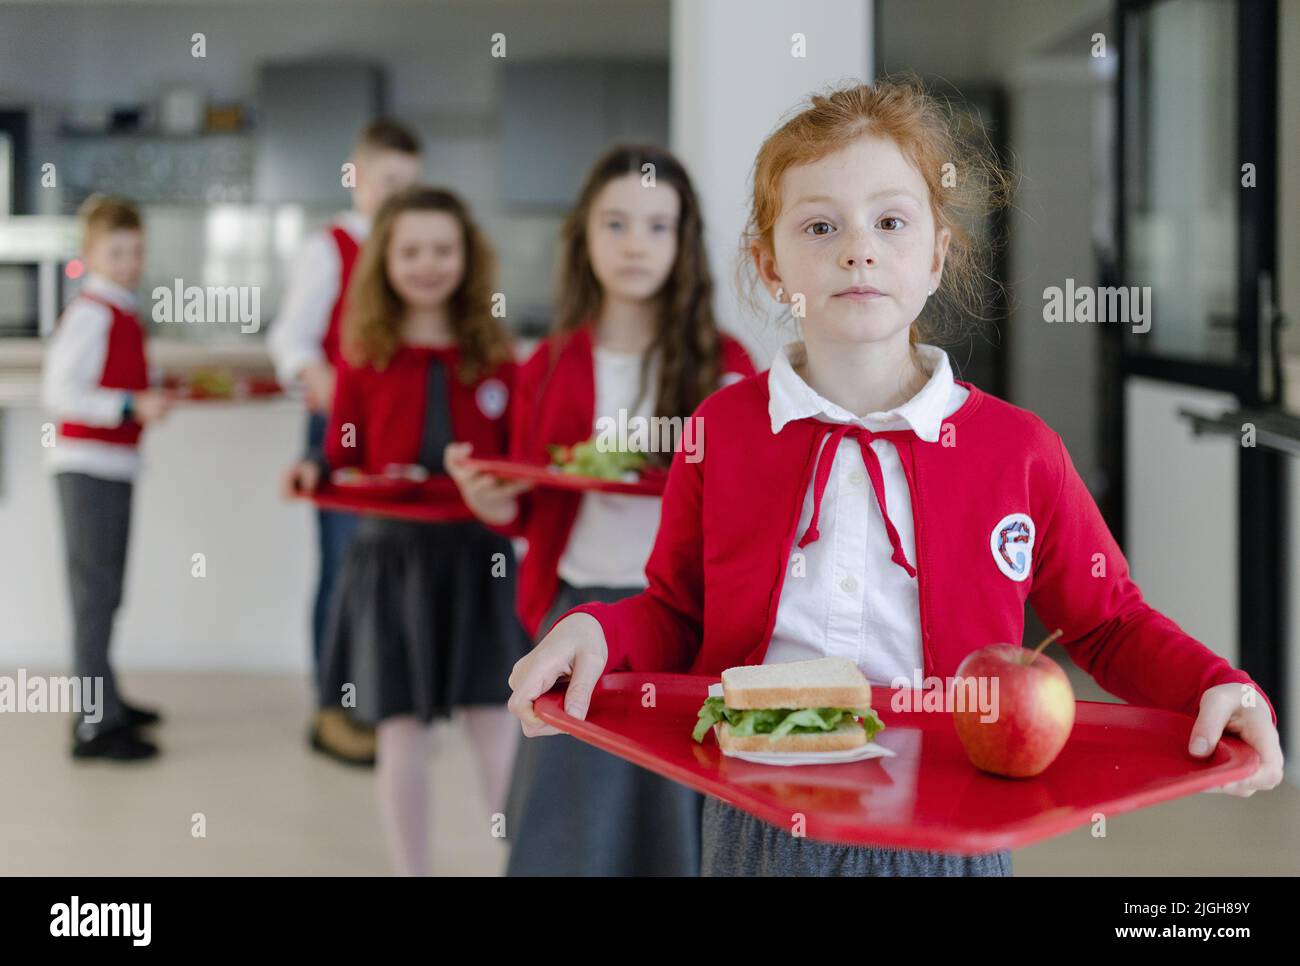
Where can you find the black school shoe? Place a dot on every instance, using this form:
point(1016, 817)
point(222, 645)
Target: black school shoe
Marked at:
point(140, 717)
point(118, 743)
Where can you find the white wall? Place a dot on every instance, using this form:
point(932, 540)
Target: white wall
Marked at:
point(210, 488)
point(1052, 368)
point(733, 80)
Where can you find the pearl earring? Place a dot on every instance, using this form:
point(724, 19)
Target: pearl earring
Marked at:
point(929, 292)
point(780, 293)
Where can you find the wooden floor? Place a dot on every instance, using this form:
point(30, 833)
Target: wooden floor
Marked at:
point(235, 751)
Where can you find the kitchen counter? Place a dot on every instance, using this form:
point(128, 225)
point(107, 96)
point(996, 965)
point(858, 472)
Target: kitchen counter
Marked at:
point(21, 360)
point(209, 485)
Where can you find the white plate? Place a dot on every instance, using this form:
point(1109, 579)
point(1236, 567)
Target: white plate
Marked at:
point(861, 753)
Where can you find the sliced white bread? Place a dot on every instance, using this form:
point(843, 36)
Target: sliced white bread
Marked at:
point(828, 682)
point(849, 734)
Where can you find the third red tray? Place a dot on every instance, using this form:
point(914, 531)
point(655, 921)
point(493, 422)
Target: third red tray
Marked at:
point(243, 388)
point(437, 501)
point(928, 796)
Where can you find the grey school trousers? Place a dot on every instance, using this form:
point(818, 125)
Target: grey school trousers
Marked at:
point(96, 523)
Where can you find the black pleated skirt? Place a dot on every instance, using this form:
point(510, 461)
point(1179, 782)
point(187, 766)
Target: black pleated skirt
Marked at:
point(423, 620)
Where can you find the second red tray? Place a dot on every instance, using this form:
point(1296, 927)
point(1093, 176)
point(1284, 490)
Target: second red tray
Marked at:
point(928, 796)
point(651, 482)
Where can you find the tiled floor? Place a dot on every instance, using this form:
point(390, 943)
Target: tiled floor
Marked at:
point(235, 752)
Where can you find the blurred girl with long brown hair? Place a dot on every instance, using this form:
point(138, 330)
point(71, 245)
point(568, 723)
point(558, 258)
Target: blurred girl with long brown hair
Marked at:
point(423, 620)
point(633, 333)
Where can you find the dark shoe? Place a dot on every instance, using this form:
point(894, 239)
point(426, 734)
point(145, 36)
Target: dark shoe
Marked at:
point(141, 717)
point(120, 743)
point(337, 736)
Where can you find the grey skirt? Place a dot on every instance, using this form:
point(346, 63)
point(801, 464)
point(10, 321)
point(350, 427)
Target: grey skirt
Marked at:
point(574, 810)
point(423, 620)
point(736, 843)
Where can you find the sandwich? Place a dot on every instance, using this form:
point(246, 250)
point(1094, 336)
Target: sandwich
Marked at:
point(822, 705)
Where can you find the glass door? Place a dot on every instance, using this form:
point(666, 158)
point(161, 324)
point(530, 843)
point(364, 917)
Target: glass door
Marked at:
point(1197, 208)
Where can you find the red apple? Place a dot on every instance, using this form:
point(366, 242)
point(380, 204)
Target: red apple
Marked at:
point(1032, 710)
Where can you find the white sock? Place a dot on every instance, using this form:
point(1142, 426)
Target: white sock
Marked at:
point(495, 733)
point(402, 777)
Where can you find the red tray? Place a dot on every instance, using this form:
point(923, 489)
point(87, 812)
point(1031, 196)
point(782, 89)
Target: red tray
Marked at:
point(383, 487)
point(928, 796)
point(651, 482)
point(436, 502)
point(245, 388)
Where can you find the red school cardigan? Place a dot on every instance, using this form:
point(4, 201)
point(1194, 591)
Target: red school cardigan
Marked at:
point(387, 408)
point(1001, 518)
point(555, 403)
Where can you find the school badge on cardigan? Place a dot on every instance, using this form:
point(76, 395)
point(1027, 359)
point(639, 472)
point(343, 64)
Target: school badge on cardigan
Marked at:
point(491, 397)
point(1012, 543)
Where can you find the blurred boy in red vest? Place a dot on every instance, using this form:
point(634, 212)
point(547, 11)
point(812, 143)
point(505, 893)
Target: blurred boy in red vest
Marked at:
point(96, 384)
point(304, 343)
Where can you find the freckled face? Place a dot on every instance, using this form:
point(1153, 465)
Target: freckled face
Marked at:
point(857, 239)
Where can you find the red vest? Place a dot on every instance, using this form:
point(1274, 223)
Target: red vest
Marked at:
point(125, 367)
point(556, 403)
point(348, 251)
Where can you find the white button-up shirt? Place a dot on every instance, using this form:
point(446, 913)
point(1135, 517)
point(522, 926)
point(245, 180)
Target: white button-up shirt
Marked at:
point(614, 533)
point(843, 594)
point(304, 317)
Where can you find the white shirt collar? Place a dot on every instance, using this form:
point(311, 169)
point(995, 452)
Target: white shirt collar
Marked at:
point(101, 287)
point(790, 398)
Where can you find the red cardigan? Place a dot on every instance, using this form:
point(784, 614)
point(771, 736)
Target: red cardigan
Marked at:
point(728, 523)
point(556, 404)
point(388, 408)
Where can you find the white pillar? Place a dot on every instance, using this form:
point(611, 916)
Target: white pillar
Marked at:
point(734, 77)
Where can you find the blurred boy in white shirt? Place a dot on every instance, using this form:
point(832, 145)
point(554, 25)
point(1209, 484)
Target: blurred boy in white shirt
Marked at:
point(304, 344)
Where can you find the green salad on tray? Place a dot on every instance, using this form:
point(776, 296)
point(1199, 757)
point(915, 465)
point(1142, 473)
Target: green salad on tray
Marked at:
point(585, 459)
